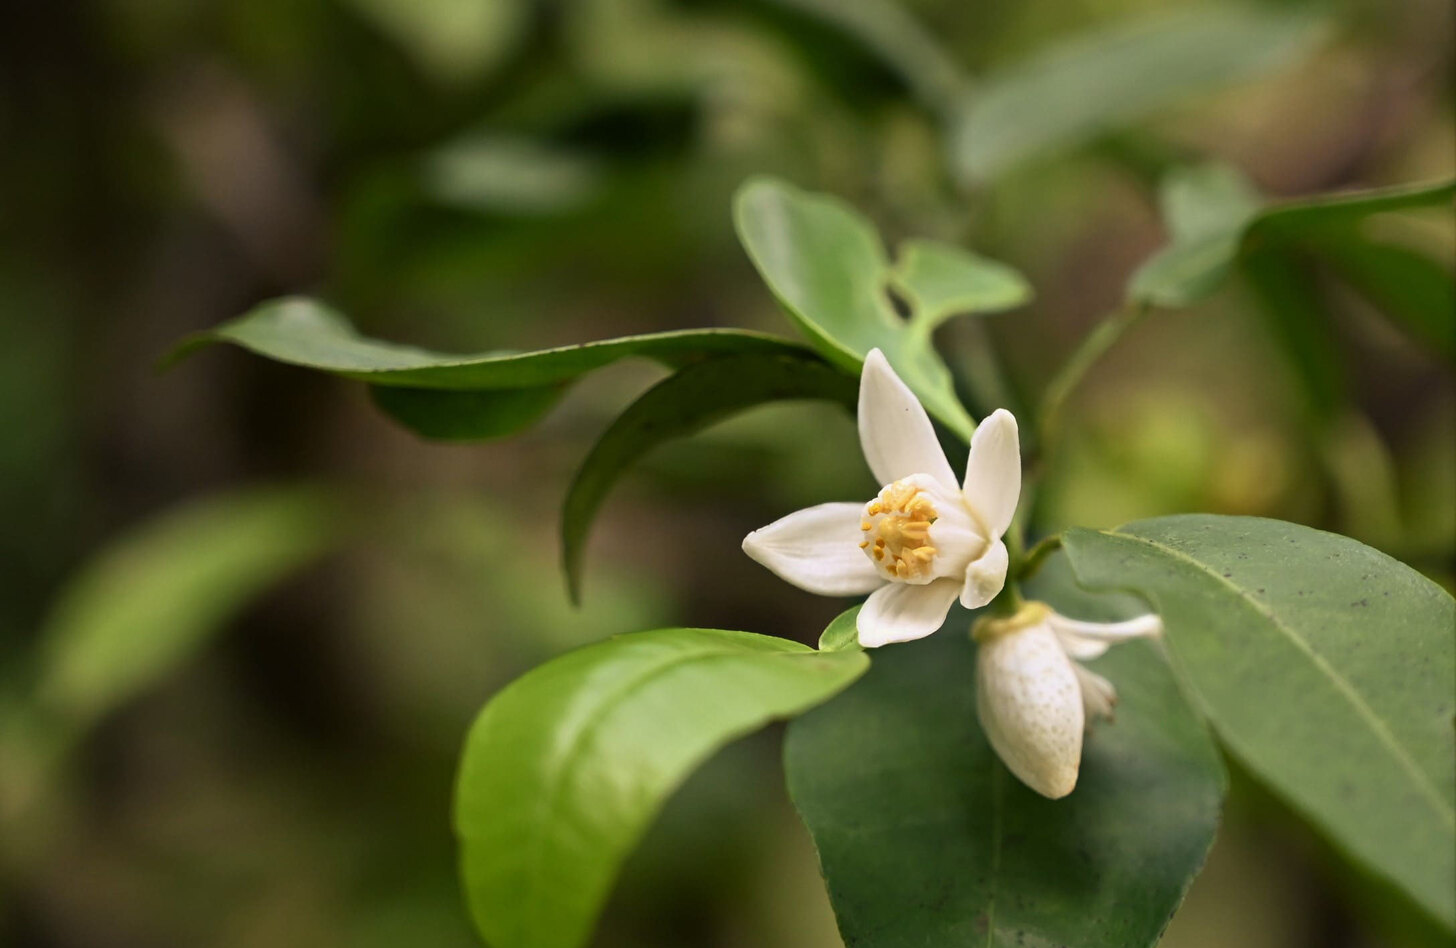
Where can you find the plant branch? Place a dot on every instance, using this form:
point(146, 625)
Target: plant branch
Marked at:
point(1093, 348)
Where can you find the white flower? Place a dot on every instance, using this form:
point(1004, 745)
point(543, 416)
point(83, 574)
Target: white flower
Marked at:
point(1034, 700)
point(925, 539)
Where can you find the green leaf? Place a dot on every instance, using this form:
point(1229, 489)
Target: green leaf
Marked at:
point(1118, 76)
point(308, 333)
point(695, 398)
point(1206, 209)
point(508, 175)
point(564, 769)
point(149, 600)
point(843, 633)
point(827, 267)
point(1415, 291)
point(469, 415)
point(940, 281)
point(1308, 216)
point(452, 40)
point(925, 838)
point(1326, 666)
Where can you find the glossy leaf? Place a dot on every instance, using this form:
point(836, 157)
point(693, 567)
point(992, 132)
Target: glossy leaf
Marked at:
point(1098, 82)
point(924, 838)
point(149, 600)
point(305, 332)
point(1325, 665)
point(696, 398)
point(826, 265)
point(564, 769)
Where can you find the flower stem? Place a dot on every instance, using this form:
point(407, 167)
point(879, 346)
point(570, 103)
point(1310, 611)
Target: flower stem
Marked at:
point(1094, 347)
point(1037, 555)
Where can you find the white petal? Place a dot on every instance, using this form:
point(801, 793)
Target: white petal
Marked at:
point(900, 612)
point(894, 430)
point(1030, 707)
point(1085, 640)
point(993, 471)
point(1098, 695)
point(817, 549)
point(985, 577)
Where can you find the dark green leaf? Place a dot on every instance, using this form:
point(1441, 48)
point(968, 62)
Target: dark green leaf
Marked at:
point(1326, 666)
point(1308, 216)
point(926, 840)
point(469, 415)
point(564, 769)
point(1415, 291)
point(683, 404)
point(148, 600)
point(307, 333)
point(826, 265)
point(1119, 76)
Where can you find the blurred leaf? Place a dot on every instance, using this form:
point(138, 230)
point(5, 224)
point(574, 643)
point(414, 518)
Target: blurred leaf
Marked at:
point(1309, 216)
point(451, 40)
point(1289, 299)
point(925, 839)
point(145, 603)
point(899, 40)
point(305, 332)
point(695, 398)
point(827, 267)
point(1206, 209)
point(508, 175)
point(843, 633)
point(1117, 76)
point(940, 281)
point(1415, 291)
point(1325, 665)
point(564, 769)
point(466, 416)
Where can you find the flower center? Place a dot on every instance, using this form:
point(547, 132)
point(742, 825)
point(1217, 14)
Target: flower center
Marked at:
point(896, 529)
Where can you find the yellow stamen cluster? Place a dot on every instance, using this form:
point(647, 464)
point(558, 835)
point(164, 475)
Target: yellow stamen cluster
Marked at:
point(897, 532)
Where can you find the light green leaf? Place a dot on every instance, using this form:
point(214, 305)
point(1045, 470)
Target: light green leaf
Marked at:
point(843, 633)
point(696, 398)
point(508, 175)
point(1118, 76)
point(1206, 209)
point(826, 265)
point(940, 281)
point(926, 840)
point(149, 600)
point(451, 40)
point(469, 415)
point(564, 769)
point(1325, 665)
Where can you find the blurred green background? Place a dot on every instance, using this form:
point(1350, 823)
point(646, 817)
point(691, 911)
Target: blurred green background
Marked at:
point(245, 621)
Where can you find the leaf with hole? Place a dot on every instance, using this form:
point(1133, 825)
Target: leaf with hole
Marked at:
point(564, 769)
point(1324, 665)
point(826, 265)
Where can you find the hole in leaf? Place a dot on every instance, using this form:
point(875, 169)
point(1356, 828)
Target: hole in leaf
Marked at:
point(898, 304)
